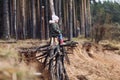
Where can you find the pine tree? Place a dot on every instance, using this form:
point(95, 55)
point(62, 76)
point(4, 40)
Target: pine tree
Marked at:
point(6, 19)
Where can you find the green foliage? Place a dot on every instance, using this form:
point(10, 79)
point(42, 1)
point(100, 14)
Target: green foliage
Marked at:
point(112, 32)
point(107, 12)
point(106, 20)
point(106, 32)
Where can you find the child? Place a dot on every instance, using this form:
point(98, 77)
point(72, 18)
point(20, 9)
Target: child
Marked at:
point(55, 31)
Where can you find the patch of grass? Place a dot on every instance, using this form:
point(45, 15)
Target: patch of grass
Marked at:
point(81, 39)
point(9, 64)
point(112, 43)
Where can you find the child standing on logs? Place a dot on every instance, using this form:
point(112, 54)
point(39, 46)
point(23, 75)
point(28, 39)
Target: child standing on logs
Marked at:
point(55, 32)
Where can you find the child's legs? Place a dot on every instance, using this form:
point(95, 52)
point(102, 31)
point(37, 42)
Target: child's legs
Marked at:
point(54, 41)
point(51, 41)
point(60, 37)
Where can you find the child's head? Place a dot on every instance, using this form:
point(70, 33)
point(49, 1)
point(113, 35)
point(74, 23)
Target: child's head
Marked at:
point(51, 21)
point(55, 18)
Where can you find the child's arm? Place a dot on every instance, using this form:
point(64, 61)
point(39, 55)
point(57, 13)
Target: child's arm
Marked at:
point(56, 28)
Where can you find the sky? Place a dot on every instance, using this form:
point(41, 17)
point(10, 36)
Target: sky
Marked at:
point(110, 0)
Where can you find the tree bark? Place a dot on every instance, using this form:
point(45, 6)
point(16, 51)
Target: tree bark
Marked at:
point(43, 22)
point(1, 19)
point(89, 16)
point(11, 17)
point(30, 21)
point(67, 27)
point(86, 19)
point(52, 7)
point(70, 20)
point(14, 18)
point(24, 18)
point(6, 19)
point(82, 18)
point(74, 19)
point(38, 18)
point(33, 18)
point(63, 18)
point(41, 19)
point(60, 13)
point(46, 19)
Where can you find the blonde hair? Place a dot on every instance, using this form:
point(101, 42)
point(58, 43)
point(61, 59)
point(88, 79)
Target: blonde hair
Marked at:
point(54, 17)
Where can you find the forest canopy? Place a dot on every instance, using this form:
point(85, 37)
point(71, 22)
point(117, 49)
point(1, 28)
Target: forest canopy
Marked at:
point(106, 12)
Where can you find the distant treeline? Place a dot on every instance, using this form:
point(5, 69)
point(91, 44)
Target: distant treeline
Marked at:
point(105, 20)
point(106, 12)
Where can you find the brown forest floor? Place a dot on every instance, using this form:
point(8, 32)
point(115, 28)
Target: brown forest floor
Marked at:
point(88, 61)
point(95, 64)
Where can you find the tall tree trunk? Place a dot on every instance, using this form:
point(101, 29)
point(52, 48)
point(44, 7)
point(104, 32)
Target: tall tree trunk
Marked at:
point(11, 18)
point(6, 19)
point(30, 26)
point(43, 22)
point(33, 18)
point(24, 18)
point(1, 19)
point(15, 20)
point(86, 19)
point(41, 19)
point(46, 19)
point(82, 18)
point(70, 20)
point(38, 18)
point(56, 4)
point(64, 16)
point(60, 13)
point(67, 20)
point(74, 19)
point(89, 16)
point(18, 18)
point(52, 7)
